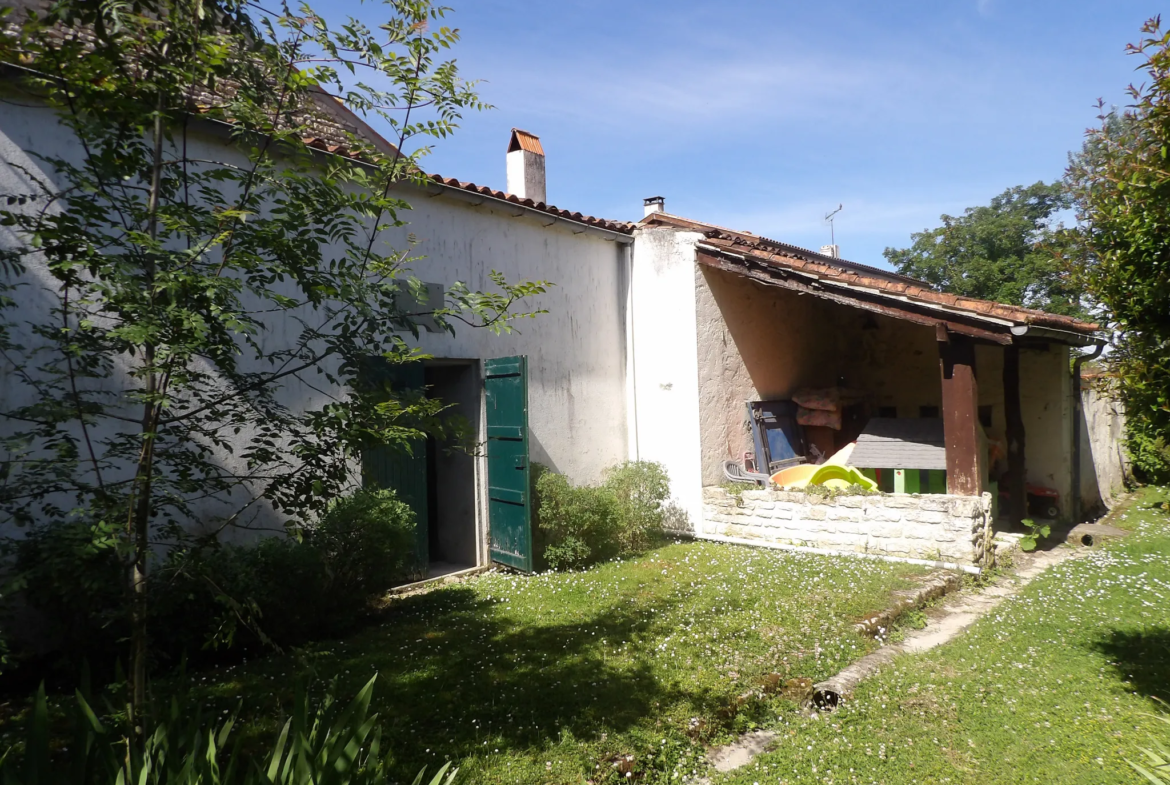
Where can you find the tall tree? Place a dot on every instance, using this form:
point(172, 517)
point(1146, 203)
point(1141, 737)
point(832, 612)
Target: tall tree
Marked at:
point(168, 301)
point(1007, 251)
point(1121, 183)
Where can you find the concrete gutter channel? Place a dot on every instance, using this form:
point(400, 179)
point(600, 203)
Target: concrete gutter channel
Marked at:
point(945, 622)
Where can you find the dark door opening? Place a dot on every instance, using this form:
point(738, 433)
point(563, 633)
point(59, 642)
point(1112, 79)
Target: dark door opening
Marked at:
point(451, 531)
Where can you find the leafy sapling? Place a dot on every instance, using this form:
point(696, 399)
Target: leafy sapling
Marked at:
point(1036, 532)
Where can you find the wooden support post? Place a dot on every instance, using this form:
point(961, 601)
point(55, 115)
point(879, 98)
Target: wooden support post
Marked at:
point(960, 413)
point(1017, 467)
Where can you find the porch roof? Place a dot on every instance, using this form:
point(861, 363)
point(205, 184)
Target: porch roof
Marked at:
point(857, 285)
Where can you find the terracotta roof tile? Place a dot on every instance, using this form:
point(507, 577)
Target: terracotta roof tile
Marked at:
point(621, 227)
point(333, 128)
point(770, 253)
point(522, 140)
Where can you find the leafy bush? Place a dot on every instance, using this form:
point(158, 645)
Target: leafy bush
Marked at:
point(70, 576)
point(331, 745)
point(367, 541)
point(280, 591)
point(582, 525)
point(640, 488)
point(1149, 454)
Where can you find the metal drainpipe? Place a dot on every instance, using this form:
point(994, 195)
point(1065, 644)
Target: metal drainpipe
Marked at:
point(1076, 429)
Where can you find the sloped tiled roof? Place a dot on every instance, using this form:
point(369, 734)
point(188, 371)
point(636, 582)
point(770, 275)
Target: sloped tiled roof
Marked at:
point(331, 127)
point(622, 227)
point(906, 289)
point(847, 276)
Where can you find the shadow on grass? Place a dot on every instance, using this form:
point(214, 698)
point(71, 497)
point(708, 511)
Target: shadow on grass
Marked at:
point(460, 675)
point(1141, 658)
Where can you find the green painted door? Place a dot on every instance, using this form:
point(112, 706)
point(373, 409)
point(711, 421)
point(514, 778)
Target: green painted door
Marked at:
point(509, 516)
point(394, 467)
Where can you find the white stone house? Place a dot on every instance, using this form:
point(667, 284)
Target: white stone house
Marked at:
point(656, 334)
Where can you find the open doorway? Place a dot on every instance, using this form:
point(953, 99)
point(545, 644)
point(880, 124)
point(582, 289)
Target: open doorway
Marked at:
point(451, 510)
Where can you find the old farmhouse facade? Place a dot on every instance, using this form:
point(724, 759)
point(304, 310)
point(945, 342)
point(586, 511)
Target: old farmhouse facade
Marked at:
point(658, 336)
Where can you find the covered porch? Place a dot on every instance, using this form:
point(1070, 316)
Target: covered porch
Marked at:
point(774, 321)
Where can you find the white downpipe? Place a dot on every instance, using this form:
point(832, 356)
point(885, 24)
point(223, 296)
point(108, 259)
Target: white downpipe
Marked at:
point(942, 565)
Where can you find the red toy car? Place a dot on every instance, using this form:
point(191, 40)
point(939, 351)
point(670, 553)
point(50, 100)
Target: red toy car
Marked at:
point(1042, 502)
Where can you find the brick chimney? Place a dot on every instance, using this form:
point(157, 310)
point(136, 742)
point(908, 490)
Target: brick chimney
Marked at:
point(526, 166)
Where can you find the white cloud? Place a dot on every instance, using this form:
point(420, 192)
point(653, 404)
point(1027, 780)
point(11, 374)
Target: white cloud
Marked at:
point(742, 87)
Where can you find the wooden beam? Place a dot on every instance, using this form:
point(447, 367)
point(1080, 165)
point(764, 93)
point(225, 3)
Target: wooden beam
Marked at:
point(770, 275)
point(960, 414)
point(1017, 487)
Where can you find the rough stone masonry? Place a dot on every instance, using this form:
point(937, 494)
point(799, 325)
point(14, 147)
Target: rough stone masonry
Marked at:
point(917, 526)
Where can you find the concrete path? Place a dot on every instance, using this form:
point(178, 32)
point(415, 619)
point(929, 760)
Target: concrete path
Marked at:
point(945, 621)
point(960, 611)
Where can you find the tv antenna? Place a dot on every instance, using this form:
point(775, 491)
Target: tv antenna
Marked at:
point(832, 231)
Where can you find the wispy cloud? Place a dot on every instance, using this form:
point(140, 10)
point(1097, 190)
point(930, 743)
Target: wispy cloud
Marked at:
point(984, 7)
point(732, 87)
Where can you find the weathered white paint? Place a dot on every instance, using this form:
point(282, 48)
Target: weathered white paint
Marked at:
point(576, 351)
point(1104, 463)
point(526, 175)
point(665, 375)
point(1046, 404)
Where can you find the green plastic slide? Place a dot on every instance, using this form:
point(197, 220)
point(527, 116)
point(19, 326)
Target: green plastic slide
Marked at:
point(831, 475)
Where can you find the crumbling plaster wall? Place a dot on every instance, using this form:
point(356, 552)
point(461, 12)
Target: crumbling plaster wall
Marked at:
point(1104, 466)
point(1046, 405)
point(757, 342)
point(754, 343)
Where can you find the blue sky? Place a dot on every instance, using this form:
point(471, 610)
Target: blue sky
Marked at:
point(764, 116)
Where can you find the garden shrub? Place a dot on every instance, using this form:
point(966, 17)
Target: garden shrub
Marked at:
point(582, 525)
point(70, 577)
point(641, 488)
point(580, 522)
point(368, 542)
point(279, 591)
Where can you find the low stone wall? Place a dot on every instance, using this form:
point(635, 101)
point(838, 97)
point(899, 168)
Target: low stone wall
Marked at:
point(917, 526)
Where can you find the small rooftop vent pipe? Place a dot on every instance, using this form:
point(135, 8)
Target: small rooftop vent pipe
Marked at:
point(526, 166)
point(654, 204)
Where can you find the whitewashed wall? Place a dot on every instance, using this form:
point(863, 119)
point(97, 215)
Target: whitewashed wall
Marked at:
point(664, 374)
point(1104, 464)
point(576, 352)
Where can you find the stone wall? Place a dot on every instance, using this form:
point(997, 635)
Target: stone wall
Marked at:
point(917, 526)
point(1104, 462)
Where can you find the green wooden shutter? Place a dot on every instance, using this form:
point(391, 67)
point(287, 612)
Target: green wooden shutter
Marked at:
point(509, 514)
point(395, 468)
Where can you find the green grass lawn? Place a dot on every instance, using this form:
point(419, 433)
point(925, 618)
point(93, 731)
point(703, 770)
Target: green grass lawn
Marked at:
point(1053, 687)
point(550, 678)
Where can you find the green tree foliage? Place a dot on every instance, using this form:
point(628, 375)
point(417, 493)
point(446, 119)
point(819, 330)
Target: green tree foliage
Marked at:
point(1007, 251)
point(190, 294)
point(1121, 182)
